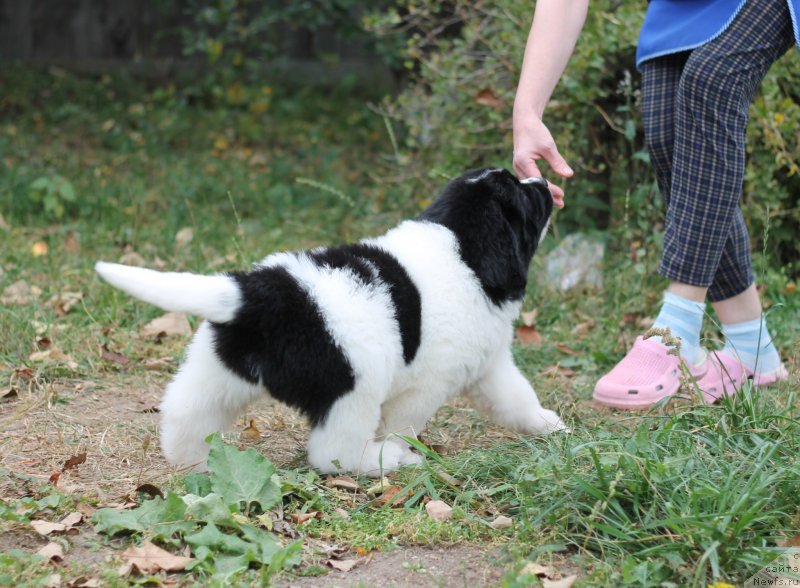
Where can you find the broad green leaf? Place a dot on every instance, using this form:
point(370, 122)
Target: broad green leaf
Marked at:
point(67, 191)
point(199, 484)
point(227, 565)
point(209, 508)
point(51, 202)
point(41, 184)
point(160, 517)
point(242, 476)
point(287, 557)
point(266, 543)
point(211, 537)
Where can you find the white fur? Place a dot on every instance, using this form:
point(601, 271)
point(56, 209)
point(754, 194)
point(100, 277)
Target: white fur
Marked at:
point(484, 175)
point(213, 297)
point(464, 348)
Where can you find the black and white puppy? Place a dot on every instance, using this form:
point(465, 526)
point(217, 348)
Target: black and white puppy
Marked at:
point(367, 339)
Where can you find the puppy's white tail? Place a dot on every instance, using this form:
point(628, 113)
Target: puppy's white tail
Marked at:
point(216, 298)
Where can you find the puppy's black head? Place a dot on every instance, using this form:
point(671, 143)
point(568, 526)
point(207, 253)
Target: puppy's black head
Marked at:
point(498, 222)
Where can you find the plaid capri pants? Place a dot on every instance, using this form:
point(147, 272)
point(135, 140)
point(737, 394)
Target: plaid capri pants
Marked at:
point(695, 110)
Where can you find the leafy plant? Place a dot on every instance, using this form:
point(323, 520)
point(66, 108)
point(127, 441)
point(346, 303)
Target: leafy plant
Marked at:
point(237, 38)
point(464, 60)
point(54, 193)
point(218, 522)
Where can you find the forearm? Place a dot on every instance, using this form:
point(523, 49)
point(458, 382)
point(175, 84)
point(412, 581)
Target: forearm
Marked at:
point(551, 41)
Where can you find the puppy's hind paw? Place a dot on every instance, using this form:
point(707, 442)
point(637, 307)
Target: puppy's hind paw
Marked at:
point(380, 458)
point(411, 459)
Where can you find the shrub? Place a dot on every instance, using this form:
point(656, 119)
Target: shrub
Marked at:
point(456, 113)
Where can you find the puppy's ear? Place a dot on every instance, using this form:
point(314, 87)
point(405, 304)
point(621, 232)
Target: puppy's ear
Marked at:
point(488, 244)
point(495, 253)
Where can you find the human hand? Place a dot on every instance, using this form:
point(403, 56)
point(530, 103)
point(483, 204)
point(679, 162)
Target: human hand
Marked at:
point(533, 141)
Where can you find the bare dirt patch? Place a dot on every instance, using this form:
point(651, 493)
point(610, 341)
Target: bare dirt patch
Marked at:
point(415, 567)
point(113, 421)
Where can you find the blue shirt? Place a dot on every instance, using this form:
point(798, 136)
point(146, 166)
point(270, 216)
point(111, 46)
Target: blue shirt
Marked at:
point(672, 26)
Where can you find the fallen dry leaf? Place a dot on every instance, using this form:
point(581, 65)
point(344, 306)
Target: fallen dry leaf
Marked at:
point(53, 355)
point(113, 356)
point(534, 569)
point(502, 522)
point(39, 249)
point(343, 565)
point(150, 489)
point(528, 336)
point(439, 510)
point(445, 477)
point(557, 370)
point(158, 364)
point(251, 432)
point(344, 483)
point(563, 348)
point(150, 558)
point(25, 373)
point(46, 528)
point(791, 542)
point(65, 302)
point(20, 293)
point(86, 510)
point(565, 582)
point(9, 393)
point(71, 243)
point(342, 513)
point(132, 258)
point(52, 552)
point(74, 461)
point(171, 324)
point(72, 519)
point(581, 329)
point(379, 487)
point(184, 237)
point(3, 224)
point(487, 97)
point(298, 518)
point(529, 318)
point(258, 159)
point(84, 582)
point(392, 495)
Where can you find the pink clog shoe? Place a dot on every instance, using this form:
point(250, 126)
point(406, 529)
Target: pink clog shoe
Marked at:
point(724, 376)
point(646, 375)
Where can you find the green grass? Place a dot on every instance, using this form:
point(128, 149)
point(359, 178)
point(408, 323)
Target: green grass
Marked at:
point(682, 496)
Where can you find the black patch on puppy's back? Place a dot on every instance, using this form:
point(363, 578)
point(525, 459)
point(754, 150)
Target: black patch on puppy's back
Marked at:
point(279, 338)
point(361, 259)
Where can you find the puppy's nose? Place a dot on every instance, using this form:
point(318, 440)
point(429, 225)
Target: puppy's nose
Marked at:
point(536, 180)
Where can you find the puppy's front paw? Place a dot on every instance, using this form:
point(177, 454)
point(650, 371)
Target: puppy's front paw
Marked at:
point(546, 421)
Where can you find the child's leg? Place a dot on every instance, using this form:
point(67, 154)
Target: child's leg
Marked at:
point(705, 243)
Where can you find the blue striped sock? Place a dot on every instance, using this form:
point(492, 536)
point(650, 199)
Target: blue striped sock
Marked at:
point(684, 319)
point(751, 343)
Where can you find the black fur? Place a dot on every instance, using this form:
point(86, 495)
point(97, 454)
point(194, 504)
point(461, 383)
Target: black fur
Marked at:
point(497, 221)
point(279, 338)
point(405, 295)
